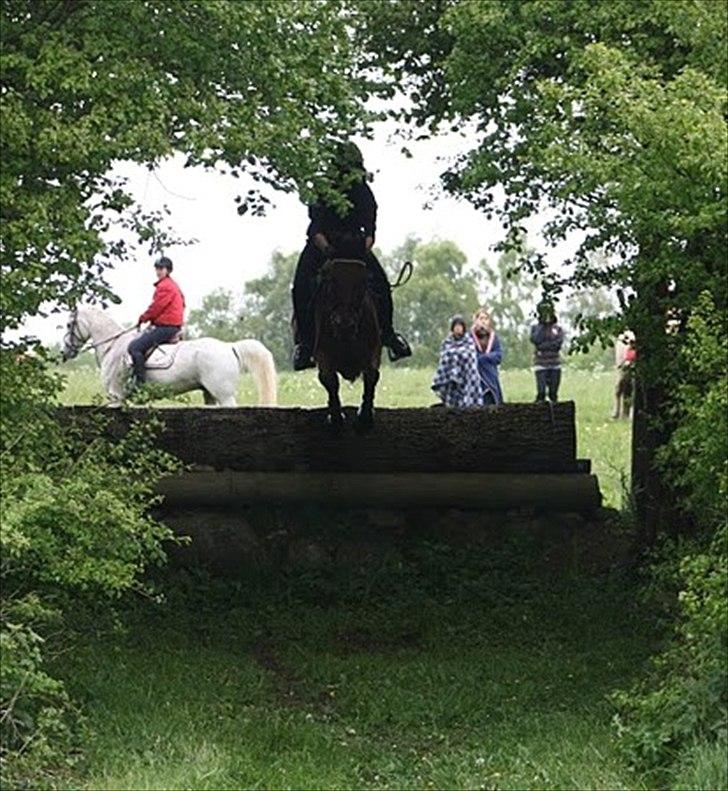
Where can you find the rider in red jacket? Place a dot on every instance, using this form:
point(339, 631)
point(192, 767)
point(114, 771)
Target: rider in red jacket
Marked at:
point(165, 314)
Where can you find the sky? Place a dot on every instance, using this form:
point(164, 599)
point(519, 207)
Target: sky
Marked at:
point(231, 249)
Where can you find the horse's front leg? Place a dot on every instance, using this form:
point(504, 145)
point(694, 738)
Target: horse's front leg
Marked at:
point(113, 380)
point(330, 380)
point(365, 417)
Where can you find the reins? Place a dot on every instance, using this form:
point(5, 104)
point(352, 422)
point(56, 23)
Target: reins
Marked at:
point(86, 347)
point(111, 338)
point(405, 273)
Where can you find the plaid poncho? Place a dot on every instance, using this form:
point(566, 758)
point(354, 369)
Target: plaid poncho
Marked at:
point(456, 380)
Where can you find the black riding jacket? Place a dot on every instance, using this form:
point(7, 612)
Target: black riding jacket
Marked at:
point(361, 218)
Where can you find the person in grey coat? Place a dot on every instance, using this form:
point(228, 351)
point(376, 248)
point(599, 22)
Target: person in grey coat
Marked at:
point(547, 337)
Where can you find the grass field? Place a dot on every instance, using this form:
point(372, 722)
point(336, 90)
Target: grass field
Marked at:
point(603, 440)
point(440, 668)
point(444, 669)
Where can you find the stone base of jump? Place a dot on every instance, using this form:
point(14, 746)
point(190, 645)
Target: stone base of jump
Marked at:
point(263, 539)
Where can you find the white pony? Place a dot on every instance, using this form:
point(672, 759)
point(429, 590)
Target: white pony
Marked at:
point(205, 364)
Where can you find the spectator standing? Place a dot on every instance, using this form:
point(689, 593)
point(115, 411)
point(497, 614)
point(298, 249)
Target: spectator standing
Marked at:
point(547, 337)
point(456, 380)
point(489, 353)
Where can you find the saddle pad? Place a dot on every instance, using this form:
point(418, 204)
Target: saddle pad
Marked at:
point(162, 356)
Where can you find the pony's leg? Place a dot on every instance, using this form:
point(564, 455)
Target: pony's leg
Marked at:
point(330, 380)
point(365, 417)
point(114, 385)
point(222, 397)
point(219, 392)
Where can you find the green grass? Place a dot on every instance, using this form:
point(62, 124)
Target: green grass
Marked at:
point(605, 441)
point(446, 669)
point(443, 668)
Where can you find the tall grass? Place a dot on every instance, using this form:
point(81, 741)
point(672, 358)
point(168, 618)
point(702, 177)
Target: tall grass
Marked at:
point(444, 668)
point(605, 441)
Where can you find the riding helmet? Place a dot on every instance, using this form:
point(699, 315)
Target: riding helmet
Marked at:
point(163, 262)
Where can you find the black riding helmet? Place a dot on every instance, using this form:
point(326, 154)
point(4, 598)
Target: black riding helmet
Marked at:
point(348, 156)
point(163, 262)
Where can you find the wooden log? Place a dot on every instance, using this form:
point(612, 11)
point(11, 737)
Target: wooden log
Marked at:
point(489, 491)
point(536, 438)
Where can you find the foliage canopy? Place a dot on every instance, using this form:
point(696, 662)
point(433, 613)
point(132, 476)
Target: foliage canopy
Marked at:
point(247, 87)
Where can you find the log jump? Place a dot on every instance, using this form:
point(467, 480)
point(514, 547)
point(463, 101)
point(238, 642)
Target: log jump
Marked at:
point(503, 457)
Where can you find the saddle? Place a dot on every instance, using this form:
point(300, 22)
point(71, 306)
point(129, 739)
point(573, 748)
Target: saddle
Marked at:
point(162, 356)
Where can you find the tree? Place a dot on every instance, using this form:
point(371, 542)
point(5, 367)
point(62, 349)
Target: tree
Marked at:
point(267, 307)
point(578, 308)
point(253, 87)
point(262, 312)
point(511, 295)
point(441, 286)
point(219, 316)
point(248, 87)
point(612, 116)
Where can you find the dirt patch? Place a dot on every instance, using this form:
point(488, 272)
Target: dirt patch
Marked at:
point(291, 689)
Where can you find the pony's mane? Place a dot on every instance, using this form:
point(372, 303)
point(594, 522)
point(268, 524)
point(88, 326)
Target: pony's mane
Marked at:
point(99, 317)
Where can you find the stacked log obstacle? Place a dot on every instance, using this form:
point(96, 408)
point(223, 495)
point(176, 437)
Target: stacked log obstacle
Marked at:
point(505, 457)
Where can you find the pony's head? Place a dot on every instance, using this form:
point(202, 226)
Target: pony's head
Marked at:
point(76, 334)
point(342, 293)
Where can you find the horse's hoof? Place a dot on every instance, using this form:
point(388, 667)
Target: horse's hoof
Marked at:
point(364, 420)
point(335, 422)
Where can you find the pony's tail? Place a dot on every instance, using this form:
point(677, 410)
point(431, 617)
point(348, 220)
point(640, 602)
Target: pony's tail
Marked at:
point(259, 361)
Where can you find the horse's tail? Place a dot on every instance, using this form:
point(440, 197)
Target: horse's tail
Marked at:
point(259, 361)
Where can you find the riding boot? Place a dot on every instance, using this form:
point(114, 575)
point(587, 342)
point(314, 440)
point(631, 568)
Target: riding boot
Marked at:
point(302, 358)
point(397, 346)
point(304, 288)
point(303, 339)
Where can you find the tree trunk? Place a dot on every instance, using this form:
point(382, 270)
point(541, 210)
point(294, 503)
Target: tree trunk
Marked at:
point(463, 490)
point(657, 374)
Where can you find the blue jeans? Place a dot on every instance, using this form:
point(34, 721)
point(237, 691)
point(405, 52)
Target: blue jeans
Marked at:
point(149, 339)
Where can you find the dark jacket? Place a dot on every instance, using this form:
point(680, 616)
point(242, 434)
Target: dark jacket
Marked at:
point(488, 363)
point(548, 339)
point(360, 218)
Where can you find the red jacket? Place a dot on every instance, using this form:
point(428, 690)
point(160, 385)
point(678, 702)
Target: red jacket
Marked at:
point(168, 304)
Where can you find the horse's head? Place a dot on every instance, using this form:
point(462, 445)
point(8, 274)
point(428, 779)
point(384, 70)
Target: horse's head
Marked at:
point(76, 335)
point(342, 297)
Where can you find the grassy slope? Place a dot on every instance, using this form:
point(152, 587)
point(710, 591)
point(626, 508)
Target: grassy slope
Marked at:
point(600, 438)
point(441, 669)
point(445, 669)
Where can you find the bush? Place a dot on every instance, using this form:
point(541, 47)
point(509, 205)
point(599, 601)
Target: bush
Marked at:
point(684, 702)
point(679, 715)
point(75, 528)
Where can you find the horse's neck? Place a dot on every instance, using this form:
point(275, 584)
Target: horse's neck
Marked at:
point(100, 326)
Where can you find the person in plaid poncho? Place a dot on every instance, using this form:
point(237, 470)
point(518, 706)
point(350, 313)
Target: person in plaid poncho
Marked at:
point(456, 380)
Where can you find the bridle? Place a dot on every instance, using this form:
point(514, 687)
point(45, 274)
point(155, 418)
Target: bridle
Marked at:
point(72, 344)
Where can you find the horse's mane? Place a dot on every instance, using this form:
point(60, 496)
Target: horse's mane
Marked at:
point(100, 318)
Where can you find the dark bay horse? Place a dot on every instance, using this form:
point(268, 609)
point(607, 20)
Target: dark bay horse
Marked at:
point(347, 339)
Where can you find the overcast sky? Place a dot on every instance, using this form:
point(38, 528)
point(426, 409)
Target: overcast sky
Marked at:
point(232, 249)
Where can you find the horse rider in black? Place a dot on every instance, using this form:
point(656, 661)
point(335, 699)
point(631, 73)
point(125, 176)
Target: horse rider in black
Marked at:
point(347, 233)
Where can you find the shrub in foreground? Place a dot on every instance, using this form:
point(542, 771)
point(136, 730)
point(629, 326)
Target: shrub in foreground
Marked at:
point(75, 529)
